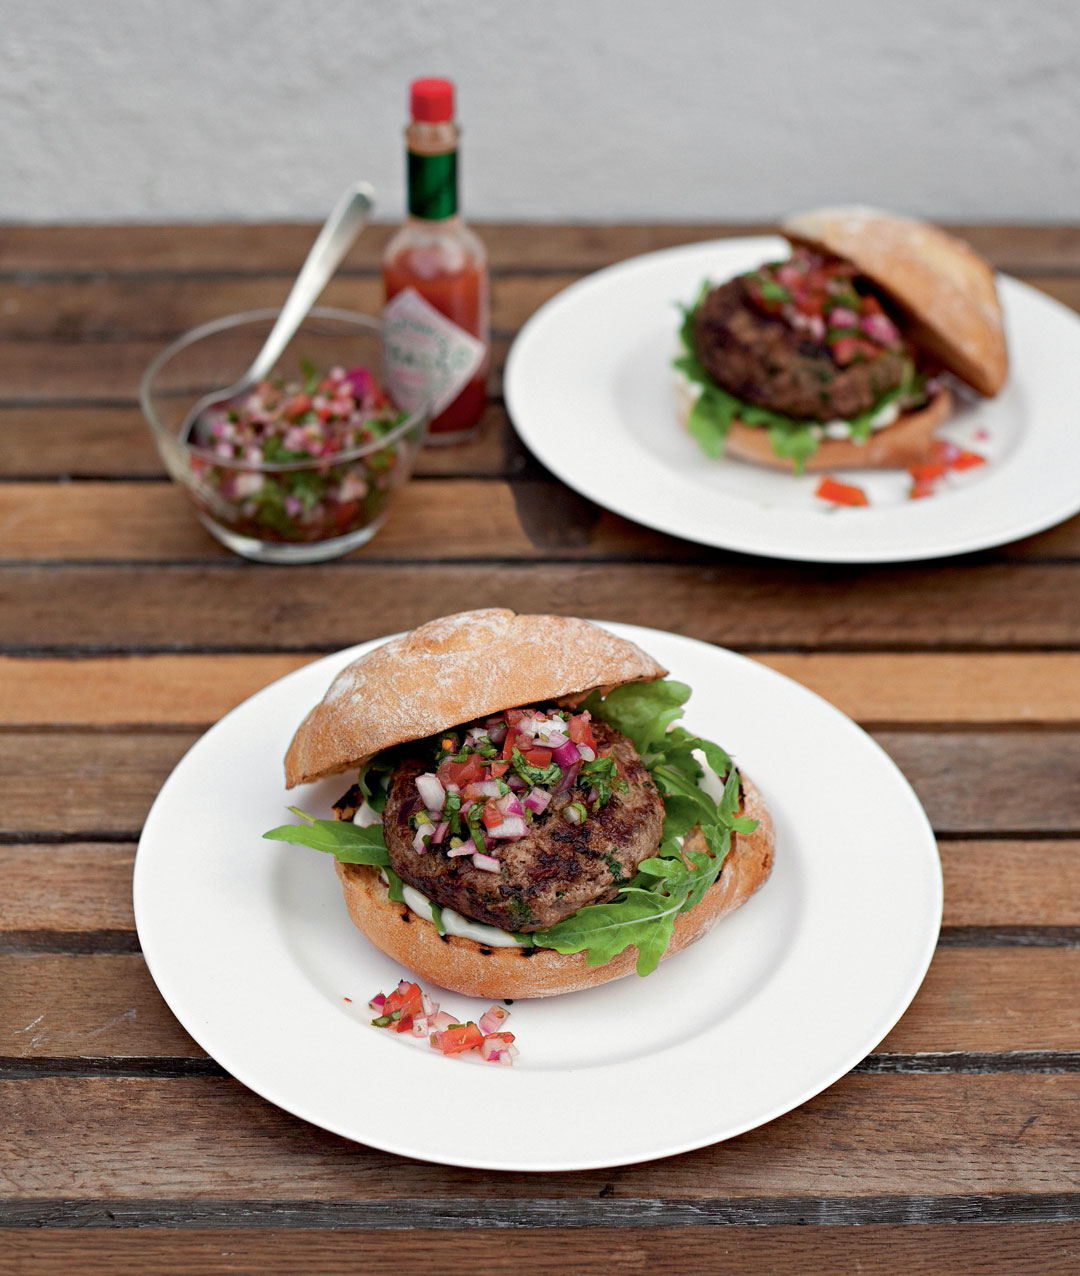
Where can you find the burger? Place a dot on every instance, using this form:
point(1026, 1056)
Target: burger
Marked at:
point(838, 356)
point(525, 819)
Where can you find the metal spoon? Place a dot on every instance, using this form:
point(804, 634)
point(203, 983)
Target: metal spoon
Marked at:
point(333, 242)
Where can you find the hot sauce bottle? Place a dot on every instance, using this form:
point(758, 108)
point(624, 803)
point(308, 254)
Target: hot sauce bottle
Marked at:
point(435, 270)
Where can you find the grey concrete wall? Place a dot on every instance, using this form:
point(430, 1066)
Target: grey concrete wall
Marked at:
point(573, 109)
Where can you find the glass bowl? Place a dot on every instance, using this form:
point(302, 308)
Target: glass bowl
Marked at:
point(285, 511)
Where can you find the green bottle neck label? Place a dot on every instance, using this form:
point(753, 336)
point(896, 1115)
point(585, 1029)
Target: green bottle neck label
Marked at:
point(433, 185)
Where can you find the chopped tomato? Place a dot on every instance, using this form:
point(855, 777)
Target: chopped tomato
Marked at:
point(406, 999)
point(581, 731)
point(508, 743)
point(538, 757)
point(499, 768)
point(459, 1037)
point(297, 405)
point(845, 350)
point(513, 716)
point(968, 460)
point(928, 472)
point(492, 816)
point(461, 773)
point(840, 493)
point(922, 487)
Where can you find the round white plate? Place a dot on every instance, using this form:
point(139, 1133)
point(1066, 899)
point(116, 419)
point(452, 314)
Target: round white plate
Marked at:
point(589, 388)
point(250, 945)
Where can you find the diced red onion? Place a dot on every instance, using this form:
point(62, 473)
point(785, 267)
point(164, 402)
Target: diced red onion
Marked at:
point(842, 317)
point(587, 754)
point(452, 788)
point(441, 830)
point(509, 805)
point(466, 848)
point(536, 800)
point(492, 1019)
point(430, 1008)
point(517, 783)
point(879, 328)
point(403, 986)
point(568, 779)
point(377, 1002)
point(442, 1021)
point(431, 790)
point(483, 789)
point(566, 754)
point(510, 829)
point(486, 862)
point(491, 1051)
point(571, 814)
point(497, 734)
point(425, 830)
point(421, 1026)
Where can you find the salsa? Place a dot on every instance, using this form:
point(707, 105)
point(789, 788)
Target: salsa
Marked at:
point(493, 779)
point(280, 464)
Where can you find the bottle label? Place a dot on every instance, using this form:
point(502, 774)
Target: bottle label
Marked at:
point(428, 357)
point(433, 185)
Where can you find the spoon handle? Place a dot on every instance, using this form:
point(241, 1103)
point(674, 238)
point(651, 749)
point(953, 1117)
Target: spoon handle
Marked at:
point(334, 241)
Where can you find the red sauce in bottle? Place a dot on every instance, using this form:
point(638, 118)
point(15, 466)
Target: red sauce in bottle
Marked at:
point(435, 253)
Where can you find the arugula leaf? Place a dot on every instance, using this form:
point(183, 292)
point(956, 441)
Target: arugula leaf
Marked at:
point(641, 710)
point(346, 841)
point(640, 917)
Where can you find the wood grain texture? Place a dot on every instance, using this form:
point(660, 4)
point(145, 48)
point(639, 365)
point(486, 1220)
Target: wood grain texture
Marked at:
point(82, 781)
point(196, 690)
point(231, 606)
point(917, 1250)
point(974, 1000)
point(267, 248)
point(106, 440)
point(70, 888)
point(210, 1138)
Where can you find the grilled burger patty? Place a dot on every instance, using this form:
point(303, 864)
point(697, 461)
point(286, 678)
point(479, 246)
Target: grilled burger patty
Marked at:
point(768, 363)
point(547, 875)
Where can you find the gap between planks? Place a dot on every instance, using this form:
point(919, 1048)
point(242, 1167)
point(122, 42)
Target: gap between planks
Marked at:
point(196, 690)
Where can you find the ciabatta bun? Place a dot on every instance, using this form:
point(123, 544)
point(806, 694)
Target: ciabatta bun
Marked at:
point(467, 967)
point(453, 670)
point(945, 288)
point(894, 447)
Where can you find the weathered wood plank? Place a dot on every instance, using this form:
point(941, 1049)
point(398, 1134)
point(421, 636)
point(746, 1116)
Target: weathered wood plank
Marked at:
point(280, 248)
point(871, 1250)
point(731, 601)
point(71, 441)
point(974, 1000)
point(997, 688)
point(210, 1138)
point(49, 371)
point(78, 888)
point(458, 518)
point(970, 782)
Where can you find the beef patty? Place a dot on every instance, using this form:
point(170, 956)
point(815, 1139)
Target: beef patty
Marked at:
point(767, 363)
point(547, 875)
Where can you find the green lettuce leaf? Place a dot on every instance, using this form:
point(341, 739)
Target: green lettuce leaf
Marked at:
point(346, 841)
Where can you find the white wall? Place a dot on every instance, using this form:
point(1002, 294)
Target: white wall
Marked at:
point(573, 109)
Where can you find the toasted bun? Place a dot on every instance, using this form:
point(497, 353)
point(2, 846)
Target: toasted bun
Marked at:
point(905, 442)
point(945, 288)
point(453, 670)
point(465, 966)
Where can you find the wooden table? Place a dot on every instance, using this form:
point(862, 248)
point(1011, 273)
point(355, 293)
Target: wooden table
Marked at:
point(125, 630)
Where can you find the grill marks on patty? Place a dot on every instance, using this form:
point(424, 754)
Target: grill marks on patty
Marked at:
point(547, 875)
point(767, 363)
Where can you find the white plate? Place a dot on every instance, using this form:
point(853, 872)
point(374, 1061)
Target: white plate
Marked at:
point(589, 389)
point(250, 945)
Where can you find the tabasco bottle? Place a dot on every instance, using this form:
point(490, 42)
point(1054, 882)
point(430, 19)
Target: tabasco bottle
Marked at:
point(435, 272)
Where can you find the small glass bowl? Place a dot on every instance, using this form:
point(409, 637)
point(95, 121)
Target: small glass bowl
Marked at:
point(229, 495)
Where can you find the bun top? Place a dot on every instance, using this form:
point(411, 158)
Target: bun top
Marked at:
point(946, 289)
point(452, 670)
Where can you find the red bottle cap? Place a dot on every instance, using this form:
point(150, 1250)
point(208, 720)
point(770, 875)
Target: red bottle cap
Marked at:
point(431, 101)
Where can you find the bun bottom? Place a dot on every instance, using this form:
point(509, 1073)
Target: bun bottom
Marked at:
point(465, 966)
point(894, 447)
